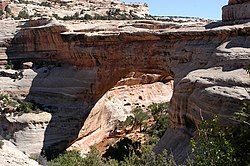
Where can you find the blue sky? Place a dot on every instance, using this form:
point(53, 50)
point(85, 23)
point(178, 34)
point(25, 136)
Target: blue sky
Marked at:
point(210, 9)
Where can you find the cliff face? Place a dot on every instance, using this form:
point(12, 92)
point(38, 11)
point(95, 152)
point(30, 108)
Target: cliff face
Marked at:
point(236, 10)
point(116, 105)
point(80, 66)
point(11, 155)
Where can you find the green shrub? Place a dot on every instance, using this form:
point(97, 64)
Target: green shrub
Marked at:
point(8, 10)
point(123, 149)
point(149, 158)
point(42, 160)
point(212, 147)
point(93, 158)
point(9, 65)
point(67, 18)
point(113, 12)
point(7, 104)
point(136, 121)
point(139, 117)
point(36, 14)
point(73, 158)
point(1, 12)
point(248, 69)
point(160, 114)
point(26, 107)
point(4, 97)
point(12, 104)
point(99, 17)
point(24, 1)
point(129, 121)
point(239, 135)
point(122, 16)
point(76, 16)
point(87, 17)
point(157, 130)
point(1, 144)
point(47, 4)
point(56, 16)
point(158, 109)
point(23, 14)
point(139, 156)
point(122, 125)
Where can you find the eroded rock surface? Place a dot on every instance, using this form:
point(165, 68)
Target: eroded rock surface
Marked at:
point(26, 130)
point(117, 104)
point(10, 155)
point(236, 10)
point(206, 65)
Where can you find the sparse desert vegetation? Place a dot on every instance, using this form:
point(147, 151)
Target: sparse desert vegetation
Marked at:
point(213, 145)
point(9, 104)
point(1, 144)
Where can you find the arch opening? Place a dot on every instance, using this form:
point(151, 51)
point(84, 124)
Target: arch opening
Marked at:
point(136, 89)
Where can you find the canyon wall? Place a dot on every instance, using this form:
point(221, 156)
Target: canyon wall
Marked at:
point(10, 155)
point(75, 69)
point(236, 10)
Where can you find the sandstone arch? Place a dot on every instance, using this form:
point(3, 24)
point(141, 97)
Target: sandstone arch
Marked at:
point(207, 67)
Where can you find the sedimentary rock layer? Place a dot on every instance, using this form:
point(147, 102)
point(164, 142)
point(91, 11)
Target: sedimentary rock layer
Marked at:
point(10, 155)
point(116, 105)
point(236, 10)
point(206, 64)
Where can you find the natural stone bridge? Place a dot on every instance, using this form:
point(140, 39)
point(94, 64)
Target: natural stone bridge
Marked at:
point(77, 68)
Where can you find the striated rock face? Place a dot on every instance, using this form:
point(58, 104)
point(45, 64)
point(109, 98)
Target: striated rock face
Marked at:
point(236, 10)
point(202, 94)
point(138, 78)
point(62, 101)
point(81, 66)
point(115, 105)
point(26, 131)
point(10, 155)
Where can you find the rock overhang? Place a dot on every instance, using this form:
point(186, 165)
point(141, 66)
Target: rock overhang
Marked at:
point(192, 56)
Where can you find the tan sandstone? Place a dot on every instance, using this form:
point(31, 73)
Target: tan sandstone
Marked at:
point(10, 155)
point(206, 65)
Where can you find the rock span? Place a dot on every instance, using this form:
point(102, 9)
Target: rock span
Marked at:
point(77, 67)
